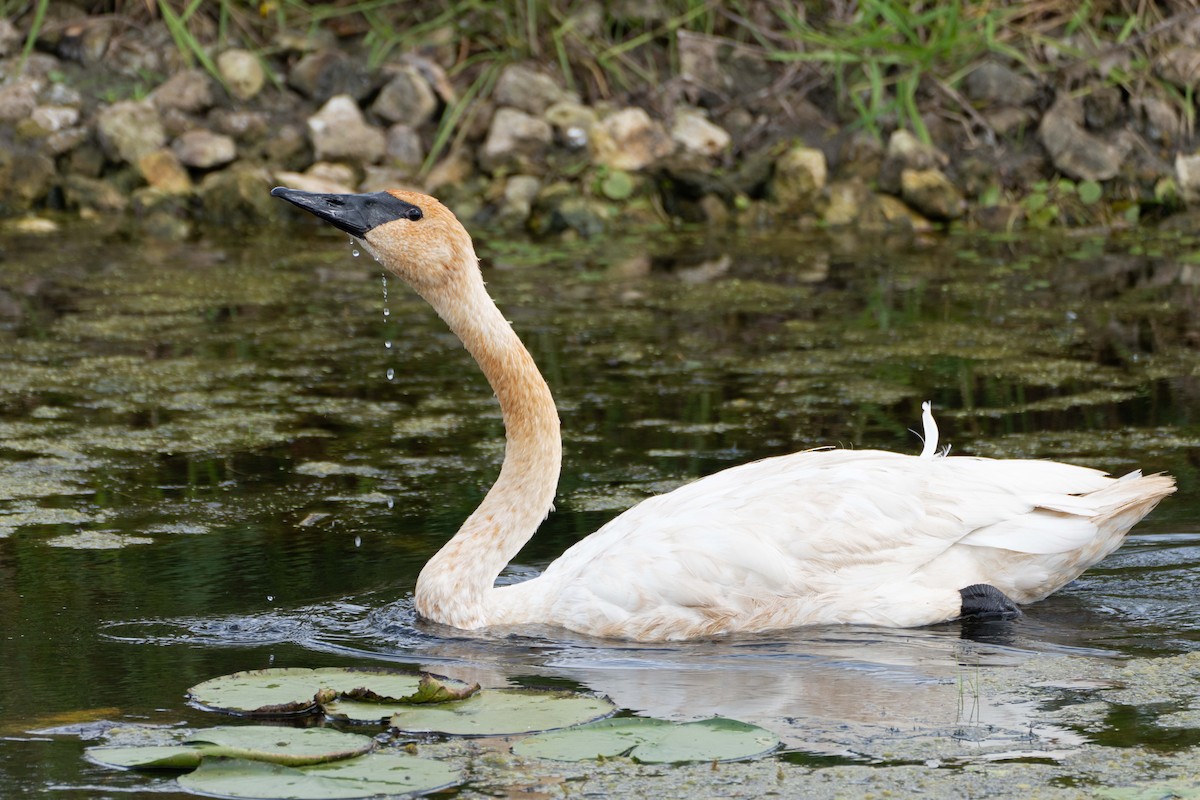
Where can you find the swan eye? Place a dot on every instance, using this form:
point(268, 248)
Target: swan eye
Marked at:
point(413, 214)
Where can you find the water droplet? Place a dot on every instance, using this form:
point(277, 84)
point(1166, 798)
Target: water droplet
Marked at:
point(388, 345)
point(391, 374)
point(391, 502)
point(387, 312)
point(354, 252)
point(270, 598)
point(358, 541)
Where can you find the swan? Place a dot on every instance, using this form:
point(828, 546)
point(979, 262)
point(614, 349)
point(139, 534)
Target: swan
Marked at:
point(817, 537)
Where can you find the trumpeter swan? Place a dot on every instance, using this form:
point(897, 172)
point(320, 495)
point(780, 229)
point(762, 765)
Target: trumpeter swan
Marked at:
point(823, 536)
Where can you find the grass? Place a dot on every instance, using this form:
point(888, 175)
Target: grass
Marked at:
point(886, 63)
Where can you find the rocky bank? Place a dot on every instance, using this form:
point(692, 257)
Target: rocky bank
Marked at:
point(103, 119)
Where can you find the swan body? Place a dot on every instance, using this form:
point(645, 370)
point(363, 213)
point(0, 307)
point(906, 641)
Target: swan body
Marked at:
point(816, 537)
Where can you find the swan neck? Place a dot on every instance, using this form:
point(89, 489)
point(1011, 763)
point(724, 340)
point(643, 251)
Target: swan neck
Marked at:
point(455, 586)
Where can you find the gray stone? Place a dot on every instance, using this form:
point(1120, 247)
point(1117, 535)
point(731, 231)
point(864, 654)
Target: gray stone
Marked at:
point(189, 90)
point(1180, 66)
point(239, 196)
point(523, 87)
point(404, 147)
point(329, 73)
point(1073, 150)
point(520, 193)
point(845, 201)
point(92, 196)
point(65, 141)
point(52, 119)
point(1159, 118)
point(204, 149)
point(931, 193)
point(1187, 176)
point(629, 140)
point(572, 123)
point(695, 134)
point(26, 174)
point(242, 73)
point(515, 140)
point(799, 177)
point(316, 179)
point(17, 100)
point(906, 151)
point(992, 83)
point(340, 133)
point(60, 94)
point(1103, 107)
point(129, 130)
point(406, 98)
point(243, 125)
point(164, 172)
point(10, 38)
point(561, 207)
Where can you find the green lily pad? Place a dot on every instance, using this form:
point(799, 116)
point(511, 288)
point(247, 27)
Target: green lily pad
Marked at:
point(288, 746)
point(503, 711)
point(369, 776)
point(653, 741)
point(293, 691)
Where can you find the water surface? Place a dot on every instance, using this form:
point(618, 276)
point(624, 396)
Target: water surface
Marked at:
point(233, 454)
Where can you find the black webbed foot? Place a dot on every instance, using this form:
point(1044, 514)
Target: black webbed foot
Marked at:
point(982, 601)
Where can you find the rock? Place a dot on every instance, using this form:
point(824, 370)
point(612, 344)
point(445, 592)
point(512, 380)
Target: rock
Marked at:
point(404, 148)
point(520, 193)
point(242, 125)
point(65, 141)
point(84, 40)
point(1009, 120)
point(992, 83)
point(204, 149)
point(799, 178)
point(92, 196)
point(17, 100)
point(891, 213)
point(311, 183)
point(164, 172)
point(931, 193)
point(326, 74)
point(10, 38)
point(129, 130)
point(60, 94)
point(695, 134)
point(845, 201)
point(26, 174)
point(1159, 118)
point(239, 196)
point(1103, 107)
point(1187, 176)
point(190, 90)
point(340, 133)
point(406, 98)
point(523, 87)
point(515, 140)
point(572, 123)
point(453, 170)
point(905, 151)
point(1073, 150)
point(52, 119)
point(1180, 66)
point(560, 207)
point(383, 178)
point(242, 73)
point(629, 140)
point(288, 147)
point(700, 67)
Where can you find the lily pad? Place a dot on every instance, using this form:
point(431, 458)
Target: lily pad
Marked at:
point(288, 746)
point(653, 741)
point(503, 711)
point(365, 705)
point(370, 776)
point(292, 691)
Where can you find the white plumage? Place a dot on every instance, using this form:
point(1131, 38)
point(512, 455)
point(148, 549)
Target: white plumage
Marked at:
point(823, 536)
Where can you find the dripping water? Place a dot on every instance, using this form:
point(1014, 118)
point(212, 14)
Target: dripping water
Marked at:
point(387, 313)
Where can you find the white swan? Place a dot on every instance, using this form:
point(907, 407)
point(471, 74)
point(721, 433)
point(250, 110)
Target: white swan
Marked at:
point(825, 536)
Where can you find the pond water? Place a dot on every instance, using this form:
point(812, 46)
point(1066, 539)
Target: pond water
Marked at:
point(233, 454)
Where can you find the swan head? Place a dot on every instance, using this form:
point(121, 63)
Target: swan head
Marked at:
point(411, 234)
